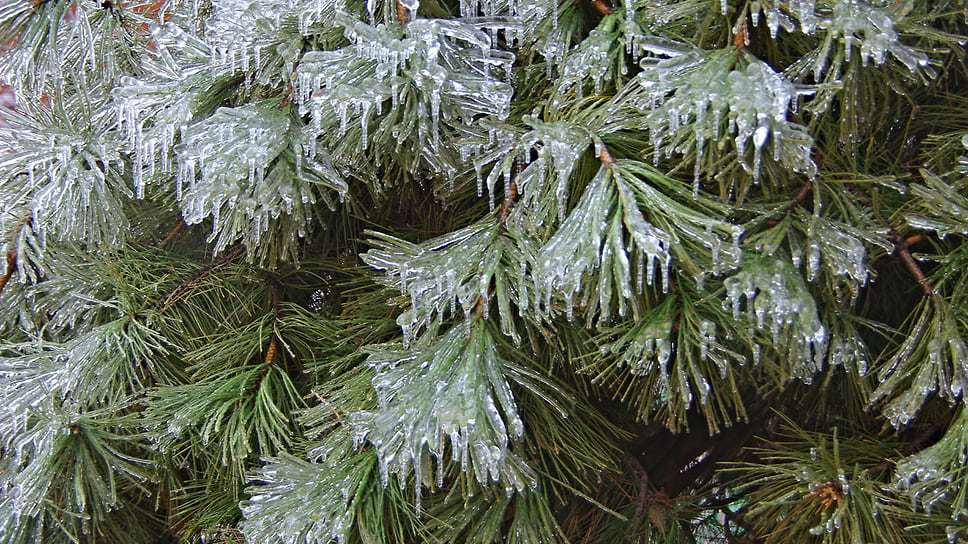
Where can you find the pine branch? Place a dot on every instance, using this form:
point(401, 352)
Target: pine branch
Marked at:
point(629, 295)
point(270, 357)
point(166, 302)
point(900, 244)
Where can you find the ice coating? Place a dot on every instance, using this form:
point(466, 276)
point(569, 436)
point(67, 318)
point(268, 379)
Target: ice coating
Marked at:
point(228, 170)
point(852, 26)
point(439, 276)
point(451, 65)
point(267, 519)
point(591, 239)
point(65, 180)
point(445, 394)
point(930, 362)
point(922, 476)
point(777, 301)
point(687, 95)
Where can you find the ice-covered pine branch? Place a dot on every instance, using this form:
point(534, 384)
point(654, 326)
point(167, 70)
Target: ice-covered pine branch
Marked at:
point(777, 301)
point(301, 501)
point(623, 231)
point(67, 40)
point(464, 270)
point(63, 179)
point(678, 358)
point(941, 208)
point(846, 28)
point(693, 100)
point(452, 386)
point(929, 362)
point(919, 476)
point(501, 152)
point(242, 168)
point(67, 464)
point(434, 76)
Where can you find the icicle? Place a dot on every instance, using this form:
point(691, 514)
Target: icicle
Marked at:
point(700, 147)
point(813, 259)
point(760, 137)
point(666, 265)
point(480, 179)
point(640, 272)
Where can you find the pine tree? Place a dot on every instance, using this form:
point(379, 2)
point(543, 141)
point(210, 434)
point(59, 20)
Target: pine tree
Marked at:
point(468, 271)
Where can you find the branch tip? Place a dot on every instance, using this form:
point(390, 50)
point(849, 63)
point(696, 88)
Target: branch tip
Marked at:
point(606, 157)
point(741, 39)
point(603, 8)
point(403, 13)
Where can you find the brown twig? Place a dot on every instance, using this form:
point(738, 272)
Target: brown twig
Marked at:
point(737, 519)
point(901, 250)
point(288, 95)
point(644, 494)
point(276, 316)
point(900, 244)
point(403, 13)
point(12, 263)
point(863, 198)
point(171, 235)
point(797, 201)
point(271, 351)
point(742, 37)
point(911, 240)
point(606, 157)
point(509, 200)
point(602, 7)
point(11, 268)
point(804, 192)
point(828, 494)
point(331, 407)
point(479, 307)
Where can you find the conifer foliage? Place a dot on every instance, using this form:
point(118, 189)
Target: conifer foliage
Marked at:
point(479, 271)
